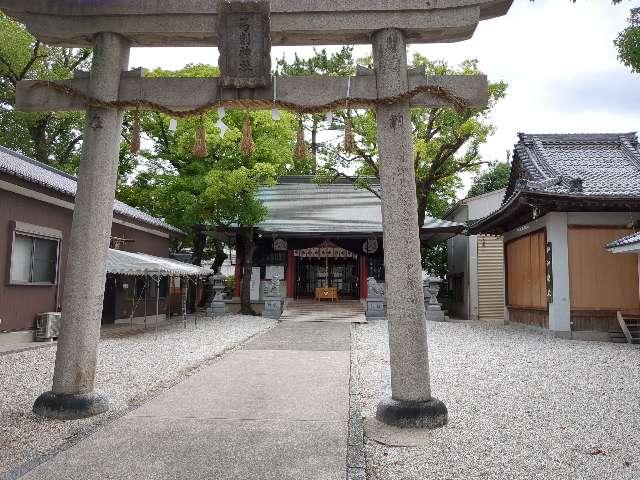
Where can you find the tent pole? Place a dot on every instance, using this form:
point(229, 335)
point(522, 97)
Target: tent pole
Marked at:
point(183, 300)
point(157, 302)
point(133, 303)
point(144, 291)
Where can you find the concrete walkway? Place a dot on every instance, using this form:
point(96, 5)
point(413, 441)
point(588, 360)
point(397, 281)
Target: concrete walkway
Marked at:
point(277, 409)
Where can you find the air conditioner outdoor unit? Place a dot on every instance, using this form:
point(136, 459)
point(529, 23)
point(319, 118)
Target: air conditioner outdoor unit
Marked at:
point(47, 326)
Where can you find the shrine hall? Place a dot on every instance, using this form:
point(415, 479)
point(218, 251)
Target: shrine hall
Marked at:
point(319, 236)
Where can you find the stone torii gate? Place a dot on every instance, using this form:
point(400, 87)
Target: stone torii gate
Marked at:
point(244, 31)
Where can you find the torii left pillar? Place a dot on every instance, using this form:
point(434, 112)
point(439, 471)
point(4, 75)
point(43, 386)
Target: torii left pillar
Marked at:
point(73, 395)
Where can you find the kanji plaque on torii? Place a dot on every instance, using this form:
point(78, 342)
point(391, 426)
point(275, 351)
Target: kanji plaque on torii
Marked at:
point(244, 30)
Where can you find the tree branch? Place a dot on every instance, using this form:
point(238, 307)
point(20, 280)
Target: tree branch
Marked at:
point(34, 57)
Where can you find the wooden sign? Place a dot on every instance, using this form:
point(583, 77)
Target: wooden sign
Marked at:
point(244, 43)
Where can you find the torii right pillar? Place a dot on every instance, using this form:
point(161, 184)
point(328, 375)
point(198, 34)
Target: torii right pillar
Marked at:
point(411, 403)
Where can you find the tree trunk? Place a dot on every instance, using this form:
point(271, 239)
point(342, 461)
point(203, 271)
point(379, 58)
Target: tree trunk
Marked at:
point(199, 243)
point(38, 133)
point(423, 198)
point(218, 255)
point(248, 248)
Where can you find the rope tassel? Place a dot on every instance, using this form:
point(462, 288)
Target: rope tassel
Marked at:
point(247, 147)
point(300, 151)
point(349, 141)
point(200, 149)
point(134, 146)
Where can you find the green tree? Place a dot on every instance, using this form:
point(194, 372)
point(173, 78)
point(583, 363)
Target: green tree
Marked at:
point(446, 143)
point(189, 192)
point(230, 200)
point(494, 178)
point(51, 138)
point(340, 63)
point(628, 42)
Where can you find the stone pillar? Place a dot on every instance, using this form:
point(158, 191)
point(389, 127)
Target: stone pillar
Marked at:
point(73, 394)
point(411, 404)
point(560, 307)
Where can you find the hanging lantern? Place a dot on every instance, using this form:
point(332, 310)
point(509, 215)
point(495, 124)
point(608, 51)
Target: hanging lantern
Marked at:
point(247, 147)
point(200, 149)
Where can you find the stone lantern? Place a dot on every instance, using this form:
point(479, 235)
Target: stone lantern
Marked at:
point(433, 308)
point(218, 305)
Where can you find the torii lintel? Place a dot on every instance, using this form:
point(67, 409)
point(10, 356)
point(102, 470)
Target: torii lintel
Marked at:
point(74, 23)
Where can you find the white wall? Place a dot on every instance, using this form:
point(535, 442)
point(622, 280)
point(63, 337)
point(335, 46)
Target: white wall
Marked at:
point(463, 250)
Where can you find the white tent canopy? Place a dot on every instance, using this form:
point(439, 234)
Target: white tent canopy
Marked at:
point(127, 263)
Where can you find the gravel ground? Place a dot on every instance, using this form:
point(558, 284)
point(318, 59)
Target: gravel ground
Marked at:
point(522, 405)
point(130, 369)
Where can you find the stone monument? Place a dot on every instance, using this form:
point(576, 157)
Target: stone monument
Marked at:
point(375, 299)
point(112, 27)
point(273, 298)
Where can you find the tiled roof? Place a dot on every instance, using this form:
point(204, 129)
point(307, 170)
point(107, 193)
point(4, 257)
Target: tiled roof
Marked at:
point(627, 241)
point(592, 171)
point(20, 166)
point(307, 207)
point(577, 164)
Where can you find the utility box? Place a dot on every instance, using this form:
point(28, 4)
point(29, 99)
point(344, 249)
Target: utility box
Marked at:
point(48, 326)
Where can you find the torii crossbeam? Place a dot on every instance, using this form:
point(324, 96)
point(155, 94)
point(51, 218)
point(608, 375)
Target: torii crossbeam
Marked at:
point(244, 30)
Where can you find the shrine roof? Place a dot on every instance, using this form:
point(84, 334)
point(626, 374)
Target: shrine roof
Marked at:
point(628, 244)
point(298, 206)
point(19, 166)
point(569, 172)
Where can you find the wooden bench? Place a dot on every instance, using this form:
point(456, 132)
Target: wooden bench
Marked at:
point(326, 293)
point(630, 325)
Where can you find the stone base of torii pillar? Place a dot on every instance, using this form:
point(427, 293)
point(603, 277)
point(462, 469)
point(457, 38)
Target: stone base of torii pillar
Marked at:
point(411, 403)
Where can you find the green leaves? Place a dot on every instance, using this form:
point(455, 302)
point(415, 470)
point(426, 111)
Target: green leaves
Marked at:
point(628, 42)
point(52, 138)
point(230, 196)
point(494, 178)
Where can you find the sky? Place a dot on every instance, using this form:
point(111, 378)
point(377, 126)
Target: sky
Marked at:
point(557, 56)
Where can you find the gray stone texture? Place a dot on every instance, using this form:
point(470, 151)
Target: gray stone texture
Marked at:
point(310, 336)
point(203, 448)
point(254, 414)
point(244, 43)
point(272, 307)
point(195, 22)
point(189, 93)
point(86, 268)
point(403, 272)
point(396, 436)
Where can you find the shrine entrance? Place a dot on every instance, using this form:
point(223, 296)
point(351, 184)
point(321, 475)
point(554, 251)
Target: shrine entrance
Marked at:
point(327, 266)
point(342, 275)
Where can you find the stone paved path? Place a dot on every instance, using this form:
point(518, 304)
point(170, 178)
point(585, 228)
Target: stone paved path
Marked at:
point(276, 409)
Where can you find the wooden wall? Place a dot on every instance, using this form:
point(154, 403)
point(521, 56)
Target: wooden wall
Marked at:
point(529, 316)
point(526, 270)
point(601, 280)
